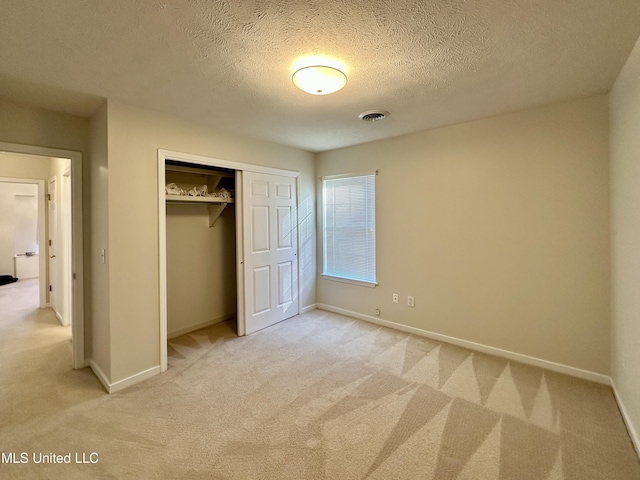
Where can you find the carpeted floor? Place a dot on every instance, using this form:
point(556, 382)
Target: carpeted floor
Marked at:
point(318, 396)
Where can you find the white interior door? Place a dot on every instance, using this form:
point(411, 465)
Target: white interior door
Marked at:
point(270, 249)
point(53, 263)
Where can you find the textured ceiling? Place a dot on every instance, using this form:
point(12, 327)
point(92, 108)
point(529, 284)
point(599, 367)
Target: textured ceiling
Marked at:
point(229, 63)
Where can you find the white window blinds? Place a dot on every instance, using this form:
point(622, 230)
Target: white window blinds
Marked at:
point(349, 227)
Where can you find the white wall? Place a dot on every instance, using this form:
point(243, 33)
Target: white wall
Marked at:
point(9, 223)
point(30, 168)
point(625, 239)
point(498, 227)
point(134, 137)
point(26, 216)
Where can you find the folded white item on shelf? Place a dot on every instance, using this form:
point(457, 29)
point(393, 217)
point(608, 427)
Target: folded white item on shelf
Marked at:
point(224, 194)
point(199, 191)
point(173, 189)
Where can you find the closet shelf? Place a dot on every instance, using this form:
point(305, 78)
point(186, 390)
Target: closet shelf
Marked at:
point(189, 199)
point(182, 179)
point(214, 205)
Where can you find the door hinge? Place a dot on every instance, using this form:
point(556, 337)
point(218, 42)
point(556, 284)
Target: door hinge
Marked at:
point(49, 196)
point(50, 288)
point(49, 242)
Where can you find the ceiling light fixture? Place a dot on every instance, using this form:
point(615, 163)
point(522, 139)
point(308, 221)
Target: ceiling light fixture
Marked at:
point(319, 79)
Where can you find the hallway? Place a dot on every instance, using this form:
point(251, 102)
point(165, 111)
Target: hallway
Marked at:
point(36, 375)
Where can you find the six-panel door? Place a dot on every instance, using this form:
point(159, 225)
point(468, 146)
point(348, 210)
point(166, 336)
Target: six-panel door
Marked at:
point(270, 249)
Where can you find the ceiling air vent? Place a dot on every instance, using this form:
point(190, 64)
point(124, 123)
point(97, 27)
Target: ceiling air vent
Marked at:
point(373, 115)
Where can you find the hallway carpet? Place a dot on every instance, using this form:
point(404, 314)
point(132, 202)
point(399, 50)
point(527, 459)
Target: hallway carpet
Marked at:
point(319, 396)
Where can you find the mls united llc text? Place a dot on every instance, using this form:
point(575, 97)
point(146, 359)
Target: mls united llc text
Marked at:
point(40, 457)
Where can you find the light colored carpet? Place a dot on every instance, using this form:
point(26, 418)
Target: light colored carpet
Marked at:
point(318, 396)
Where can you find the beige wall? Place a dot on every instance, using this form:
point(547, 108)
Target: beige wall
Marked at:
point(97, 325)
point(625, 238)
point(44, 128)
point(134, 137)
point(205, 254)
point(498, 227)
point(16, 165)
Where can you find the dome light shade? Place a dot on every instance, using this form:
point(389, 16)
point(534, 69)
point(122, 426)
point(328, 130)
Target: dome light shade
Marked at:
point(319, 79)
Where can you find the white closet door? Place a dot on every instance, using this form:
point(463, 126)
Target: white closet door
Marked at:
point(270, 249)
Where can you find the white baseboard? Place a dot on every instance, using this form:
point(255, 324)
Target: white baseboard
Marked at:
point(133, 379)
point(122, 384)
point(627, 421)
point(100, 374)
point(308, 308)
point(193, 328)
point(60, 319)
point(498, 352)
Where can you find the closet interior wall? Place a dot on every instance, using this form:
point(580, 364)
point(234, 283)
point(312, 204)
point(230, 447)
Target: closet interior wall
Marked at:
point(201, 267)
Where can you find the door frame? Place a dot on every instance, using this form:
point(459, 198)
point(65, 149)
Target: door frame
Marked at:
point(239, 167)
point(77, 229)
point(66, 241)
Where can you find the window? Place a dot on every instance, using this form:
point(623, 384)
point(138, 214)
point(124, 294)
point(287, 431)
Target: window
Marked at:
point(349, 228)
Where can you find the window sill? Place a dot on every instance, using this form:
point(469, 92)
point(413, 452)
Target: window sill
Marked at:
point(361, 283)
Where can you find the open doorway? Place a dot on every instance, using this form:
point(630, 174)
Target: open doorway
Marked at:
point(52, 264)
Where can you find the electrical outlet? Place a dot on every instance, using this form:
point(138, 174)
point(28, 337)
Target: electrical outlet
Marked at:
point(395, 298)
point(377, 312)
point(411, 301)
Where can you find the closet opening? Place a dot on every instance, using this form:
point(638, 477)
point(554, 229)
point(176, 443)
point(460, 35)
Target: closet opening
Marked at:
point(201, 229)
